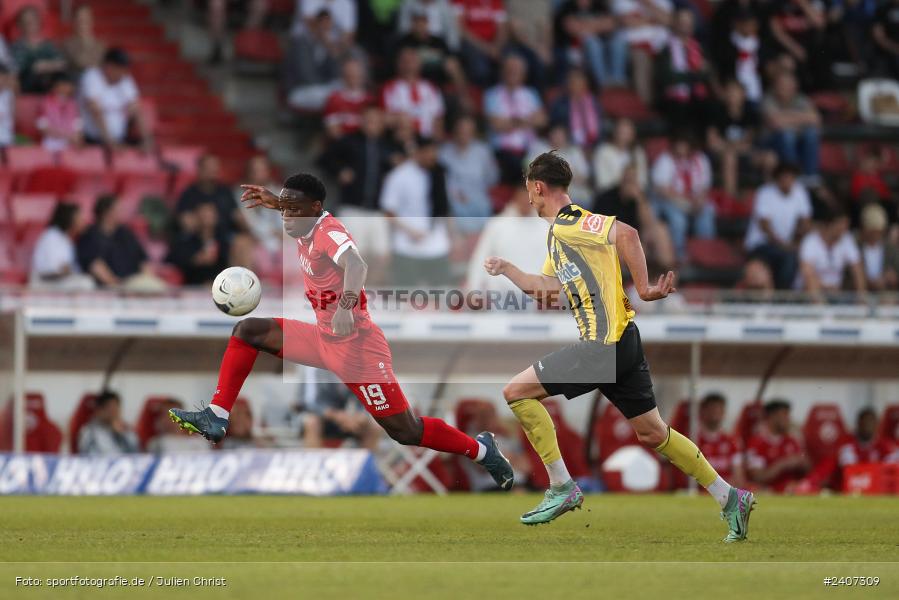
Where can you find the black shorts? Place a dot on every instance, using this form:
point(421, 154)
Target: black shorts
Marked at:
point(622, 376)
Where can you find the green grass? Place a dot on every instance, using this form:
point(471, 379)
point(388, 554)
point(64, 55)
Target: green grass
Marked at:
point(448, 547)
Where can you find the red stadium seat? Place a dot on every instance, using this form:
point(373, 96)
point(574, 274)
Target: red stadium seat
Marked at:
point(889, 424)
point(612, 431)
point(748, 421)
point(624, 102)
point(833, 158)
point(149, 414)
point(90, 159)
point(258, 45)
point(654, 147)
point(183, 158)
point(10, 9)
point(823, 431)
point(85, 201)
point(98, 184)
point(79, 419)
point(152, 184)
point(41, 435)
point(134, 162)
point(50, 180)
point(24, 159)
point(28, 108)
point(713, 254)
point(32, 208)
point(680, 419)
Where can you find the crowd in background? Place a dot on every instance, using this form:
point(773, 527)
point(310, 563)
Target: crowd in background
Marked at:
point(430, 109)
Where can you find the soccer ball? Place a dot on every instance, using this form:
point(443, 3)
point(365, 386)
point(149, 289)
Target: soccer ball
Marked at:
point(236, 291)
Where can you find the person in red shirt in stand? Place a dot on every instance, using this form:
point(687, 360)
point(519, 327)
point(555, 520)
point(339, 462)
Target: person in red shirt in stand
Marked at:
point(775, 459)
point(719, 447)
point(483, 25)
point(864, 447)
point(344, 107)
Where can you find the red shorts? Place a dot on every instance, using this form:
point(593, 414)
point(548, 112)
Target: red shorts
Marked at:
point(362, 362)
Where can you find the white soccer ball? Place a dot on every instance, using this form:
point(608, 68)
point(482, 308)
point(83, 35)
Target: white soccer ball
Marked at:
point(236, 291)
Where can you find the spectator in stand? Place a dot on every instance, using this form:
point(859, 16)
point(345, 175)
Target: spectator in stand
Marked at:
point(409, 97)
point(484, 33)
point(344, 107)
point(344, 14)
point(359, 163)
point(418, 213)
point(868, 184)
point(740, 58)
point(683, 75)
point(530, 33)
point(681, 180)
point(731, 137)
point(885, 33)
point(864, 448)
point(209, 187)
point(502, 236)
point(826, 253)
point(54, 263)
point(627, 201)
point(440, 15)
point(645, 23)
point(757, 281)
point(7, 107)
point(798, 28)
point(775, 459)
point(217, 18)
point(312, 65)
point(578, 111)
point(266, 226)
point(332, 413)
point(110, 251)
point(106, 433)
point(580, 189)
point(880, 256)
point(849, 22)
point(110, 104)
point(611, 158)
point(471, 171)
point(587, 33)
point(59, 118)
point(793, 125)
point(168, 437)
point(515, 113)
point(200, 248)
point(720, 448)
point(82, 49)
point(37, 59)
point(240, 429)
point(6, 59)
point(781, 216)
point(433, 51)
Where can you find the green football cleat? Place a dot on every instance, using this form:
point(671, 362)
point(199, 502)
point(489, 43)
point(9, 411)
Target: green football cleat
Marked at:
point(739, 506)
point(204, 422)
point(555, 503)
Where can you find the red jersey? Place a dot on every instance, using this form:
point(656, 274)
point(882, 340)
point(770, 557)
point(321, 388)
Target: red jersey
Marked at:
point(765, 449)
point(344, 109)
point(481, 18)
point(721, 450)
point(319, 251)
point(852, 451)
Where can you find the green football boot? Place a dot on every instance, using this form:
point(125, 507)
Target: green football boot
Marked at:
point(736, 512)
point(556, 502)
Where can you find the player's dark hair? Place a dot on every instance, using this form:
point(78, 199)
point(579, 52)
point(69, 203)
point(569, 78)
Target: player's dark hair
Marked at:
point(832, 214)
point(867, 411)
point(786, 167)
point(774, 406)
point(309, 184)
point(551, 169)
point(103, 206)
point(712, 398)
point(105, 397)
point(63, 216)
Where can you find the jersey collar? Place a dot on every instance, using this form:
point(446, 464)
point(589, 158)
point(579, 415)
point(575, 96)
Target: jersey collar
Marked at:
point(317, 223)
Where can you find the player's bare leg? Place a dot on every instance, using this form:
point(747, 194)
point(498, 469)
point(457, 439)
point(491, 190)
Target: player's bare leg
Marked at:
point(524, 394)
point(736, 504)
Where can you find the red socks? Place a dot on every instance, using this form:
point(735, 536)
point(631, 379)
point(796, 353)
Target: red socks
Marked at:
point(437, 435)
point(236, 365)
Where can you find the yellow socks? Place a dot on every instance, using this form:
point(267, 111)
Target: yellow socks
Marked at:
point(684, 455)
point(539, 428)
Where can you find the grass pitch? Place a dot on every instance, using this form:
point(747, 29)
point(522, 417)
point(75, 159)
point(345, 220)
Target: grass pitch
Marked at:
point(462, 546)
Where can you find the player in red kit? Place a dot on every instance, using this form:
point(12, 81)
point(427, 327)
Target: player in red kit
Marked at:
point(774, 458)
point(343, 340)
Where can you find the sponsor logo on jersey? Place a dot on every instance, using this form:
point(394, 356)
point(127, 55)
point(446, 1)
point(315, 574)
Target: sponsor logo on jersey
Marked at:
point(382, 407)
point(568, 272)
point(593, 223)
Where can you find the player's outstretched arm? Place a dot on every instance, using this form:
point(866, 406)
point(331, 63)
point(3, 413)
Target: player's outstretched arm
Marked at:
point(256, 195)
point(627, 241)
point(354, 273)
point(538, 286)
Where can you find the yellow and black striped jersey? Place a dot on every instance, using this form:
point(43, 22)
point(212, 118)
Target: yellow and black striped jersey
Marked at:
point(587, 266)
